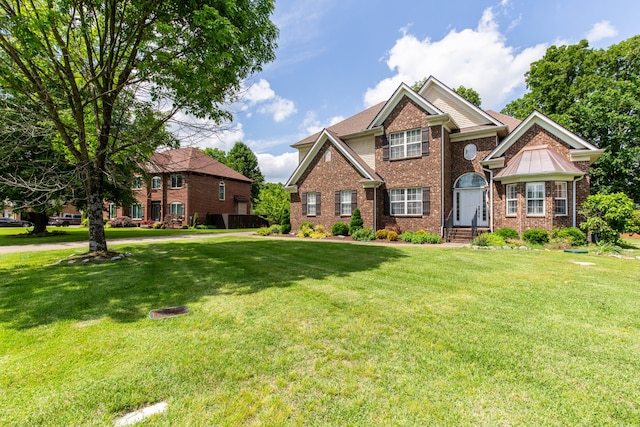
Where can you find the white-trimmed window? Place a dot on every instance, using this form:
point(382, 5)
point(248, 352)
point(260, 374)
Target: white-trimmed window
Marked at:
point(535, 198)
point(156, 183)
point(136, 211)
point(405, 144)
point(345, 202)
point(176, 181)
point(176, 208)
point(221, 191)
point(112, 210)
point(406, 201)
point(311, 203)
point(560, 198)
point(512, 199)
point(136, 183)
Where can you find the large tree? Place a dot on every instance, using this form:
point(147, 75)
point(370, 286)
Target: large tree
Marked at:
point(596, 94)
point(95, 66)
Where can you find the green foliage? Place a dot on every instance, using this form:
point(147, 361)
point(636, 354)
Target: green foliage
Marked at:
point(273, 204)
point(195, 219)
point(596, 94)
point(469, 94)
point(489, 239)
point(419, 237)
point(507, 233)
point(218, 154)
point(536, 236)
point(267, 231)
point(285, 228)
point(319, 232)
point(356, 221)
point(608, 215)
point(243, 160)
point(305, 224)
point(392, 236)
point(340, 229)
point(573, 235)
point(610, 248)
point(363, 234)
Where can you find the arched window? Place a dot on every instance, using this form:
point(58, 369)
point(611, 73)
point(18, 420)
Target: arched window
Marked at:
point(221, 191)
point(471, 180)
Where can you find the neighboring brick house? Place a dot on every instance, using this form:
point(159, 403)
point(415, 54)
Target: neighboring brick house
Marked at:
point(432, 160)
point(184, 182)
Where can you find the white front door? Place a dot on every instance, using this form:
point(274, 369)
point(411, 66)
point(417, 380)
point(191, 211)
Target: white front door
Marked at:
point(468, 202)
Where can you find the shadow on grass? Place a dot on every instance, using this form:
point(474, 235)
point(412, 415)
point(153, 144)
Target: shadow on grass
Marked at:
point(171, 274)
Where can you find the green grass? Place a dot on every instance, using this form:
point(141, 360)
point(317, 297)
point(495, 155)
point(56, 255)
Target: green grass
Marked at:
point(291, 332)
point(10, 236)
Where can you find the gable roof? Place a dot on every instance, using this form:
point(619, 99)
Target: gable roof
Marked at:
point(538, 161)
point(585, 149)
point(193, 160)
point(370, 177)
point(354, 124)
point(403, 91)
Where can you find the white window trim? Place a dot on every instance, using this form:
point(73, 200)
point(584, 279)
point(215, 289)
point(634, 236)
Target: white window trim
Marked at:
point(405, 143)
point(222, 191)
point(154, 180)
point(171, 209)
point(345, 203)
point(181, 180)
point(556, 198)
point(311, 206)
point(511, 199)
point(133, 209)
point(113, 210)
point(404, 202)
point(531, 184)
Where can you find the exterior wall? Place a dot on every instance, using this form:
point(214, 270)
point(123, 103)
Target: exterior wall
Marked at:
point(424, 171)
point(326, 177)
point(365, 148)
point(521, 222)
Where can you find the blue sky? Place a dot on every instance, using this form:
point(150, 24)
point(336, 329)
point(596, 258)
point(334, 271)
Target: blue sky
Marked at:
point(337, 57)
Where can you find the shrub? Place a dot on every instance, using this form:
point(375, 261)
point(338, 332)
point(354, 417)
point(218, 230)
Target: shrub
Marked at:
point(488, 239)
point(419, 237)
point(536, 236)
point(340, 229)
point(266, 231)
point(507, 233)
point(392, 236)
point(356, 221)
point(185, 227)
point(363, 234)
point(122, 221)
point(195, 219)
point(285, 228)
point(573, 234)
point(305, 224)
point(608, 215)
point(381, 234)
point(305, 230)
point(157, 225)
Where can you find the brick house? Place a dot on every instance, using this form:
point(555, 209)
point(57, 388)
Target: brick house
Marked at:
point(432, 160)
point(183, 182)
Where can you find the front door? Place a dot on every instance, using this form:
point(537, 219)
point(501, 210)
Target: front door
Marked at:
point(155, 211)
point(467, 203)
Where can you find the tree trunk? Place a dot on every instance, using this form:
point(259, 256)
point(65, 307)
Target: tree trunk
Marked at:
point(39, 220)
point(97, 238)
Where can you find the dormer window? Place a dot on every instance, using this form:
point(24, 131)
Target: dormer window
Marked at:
point(176, 181)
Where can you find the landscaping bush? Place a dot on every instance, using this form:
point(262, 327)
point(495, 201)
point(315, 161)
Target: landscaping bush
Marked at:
point(306, 228)
point(267, 231)
point(363, 234)
point(392, 236)
point(340, 229)
point(381, 234)
point(356, 221)
point(305, 224)
point(573, 234)
point(419, 237)
point(536, 236)
point(285, 228)
point(319, 232)
point(122, 221)
point(488, 239)
point(507, 233)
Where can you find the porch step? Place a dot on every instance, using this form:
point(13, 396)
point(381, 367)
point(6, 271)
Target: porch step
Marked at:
point(463, 234)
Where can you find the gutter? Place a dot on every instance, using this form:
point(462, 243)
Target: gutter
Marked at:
point(491, 226)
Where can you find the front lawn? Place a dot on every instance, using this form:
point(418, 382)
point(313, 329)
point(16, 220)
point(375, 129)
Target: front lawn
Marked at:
point(18, 236)
point(285, 332)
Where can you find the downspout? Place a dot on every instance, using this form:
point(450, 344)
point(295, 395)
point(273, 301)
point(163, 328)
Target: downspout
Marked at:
point(375, 209)
point(442, 159)
point(490, 196)
point(573, 200)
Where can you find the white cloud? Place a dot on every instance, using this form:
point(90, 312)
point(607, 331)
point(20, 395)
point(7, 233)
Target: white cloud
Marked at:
point(601, 30)
point(277, 168)
point(259, 92)
point(311, 124)
point(280, 108)
point(475, 58)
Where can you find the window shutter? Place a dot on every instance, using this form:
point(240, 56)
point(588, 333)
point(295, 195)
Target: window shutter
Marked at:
point(386, 209)
point(336, 199)
point(354, 200)
point(318, 212)
point(385, 147)
point(426, 201)
point(304, 204)
point(425, 141)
